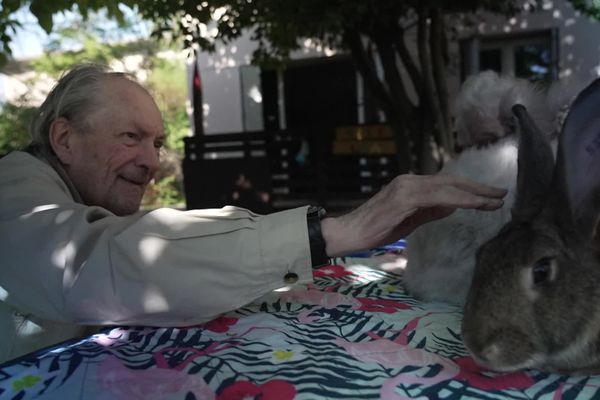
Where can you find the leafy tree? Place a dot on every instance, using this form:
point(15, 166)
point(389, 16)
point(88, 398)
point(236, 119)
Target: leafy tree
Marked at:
point(169, 86)
point(14, 125)
point(416, 108)
point(44, 11)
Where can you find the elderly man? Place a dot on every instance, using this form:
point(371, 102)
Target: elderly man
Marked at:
point(77, 252)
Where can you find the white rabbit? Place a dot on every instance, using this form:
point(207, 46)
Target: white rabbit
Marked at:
point(482, 108)
point(441, 254)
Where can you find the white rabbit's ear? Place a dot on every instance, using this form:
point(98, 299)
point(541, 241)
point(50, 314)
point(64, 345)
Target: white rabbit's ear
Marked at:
point(579, 158)
point(535, 167)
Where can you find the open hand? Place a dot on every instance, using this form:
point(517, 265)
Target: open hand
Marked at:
point(405, 203)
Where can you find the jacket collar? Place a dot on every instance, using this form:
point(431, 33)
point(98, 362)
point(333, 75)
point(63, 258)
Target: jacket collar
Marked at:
point(36, 151)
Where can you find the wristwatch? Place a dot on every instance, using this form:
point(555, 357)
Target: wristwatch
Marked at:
point(318, 254)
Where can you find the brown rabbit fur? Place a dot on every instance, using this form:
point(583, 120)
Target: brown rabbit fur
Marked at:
point(534, 300)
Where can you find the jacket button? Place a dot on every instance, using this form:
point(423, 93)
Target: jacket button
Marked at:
point(290, 278)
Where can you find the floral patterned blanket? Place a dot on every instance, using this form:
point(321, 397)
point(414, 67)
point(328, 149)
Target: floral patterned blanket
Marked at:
point(352, 334)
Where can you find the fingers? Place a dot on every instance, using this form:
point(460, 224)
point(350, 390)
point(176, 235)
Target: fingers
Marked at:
point(452, 191)
point(456, 197)
point(406, 203)
point(472, 187)
point(490, 205)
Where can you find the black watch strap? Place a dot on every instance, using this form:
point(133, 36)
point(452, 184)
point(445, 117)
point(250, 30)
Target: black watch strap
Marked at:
point(318, 253)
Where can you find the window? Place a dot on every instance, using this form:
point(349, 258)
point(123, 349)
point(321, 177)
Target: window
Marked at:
point(532, 56)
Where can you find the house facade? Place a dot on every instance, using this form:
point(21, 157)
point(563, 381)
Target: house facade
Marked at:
point(333, 126)
point(549, 40)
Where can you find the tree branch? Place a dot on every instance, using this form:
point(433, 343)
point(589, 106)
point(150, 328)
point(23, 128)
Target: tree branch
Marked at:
point(392, 76)
point(437, 44)
point(365, 66)
point(367, 70)
point(408, 61)
point(431, 94)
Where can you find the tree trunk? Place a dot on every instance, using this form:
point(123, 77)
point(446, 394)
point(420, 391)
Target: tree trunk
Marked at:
point(382, 95)
point(430, 93)
point(407, 60)
point(392, 76)
point(438, 50)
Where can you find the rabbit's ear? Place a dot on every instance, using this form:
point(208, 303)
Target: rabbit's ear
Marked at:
point(579, 158)
point(535, 167)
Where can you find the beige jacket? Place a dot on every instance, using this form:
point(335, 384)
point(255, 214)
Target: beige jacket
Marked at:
point(64, 264)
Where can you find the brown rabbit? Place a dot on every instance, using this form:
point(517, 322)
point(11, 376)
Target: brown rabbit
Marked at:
point(534, 300)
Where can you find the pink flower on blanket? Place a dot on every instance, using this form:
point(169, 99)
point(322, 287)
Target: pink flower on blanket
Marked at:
point(123, 383)
point(332, 271)
point(271, 390)
point(332, 300)
point(319, 298)
point(397, 353)
point(381, 305)
point(220, 324)
point(472, 373)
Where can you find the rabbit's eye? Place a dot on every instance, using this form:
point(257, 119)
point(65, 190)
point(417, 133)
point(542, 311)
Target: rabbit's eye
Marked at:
point(542, 271)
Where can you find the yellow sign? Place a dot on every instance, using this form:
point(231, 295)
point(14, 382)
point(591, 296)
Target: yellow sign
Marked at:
point(367, 139)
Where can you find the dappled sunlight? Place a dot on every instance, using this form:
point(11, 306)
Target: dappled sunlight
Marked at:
point(63, 253)
point(311, 45)
point(566, 73)
point(3, 294)
point(153, 301)
point(569, 39)
point(255, 94)
point(394, 266)
point(218, 13)
point(45, 207)
point(366, 273)
point(30, 328)
point(108, 339)
point(284, 289)
point(508, 153)
point(63, 216)
point(151, 247)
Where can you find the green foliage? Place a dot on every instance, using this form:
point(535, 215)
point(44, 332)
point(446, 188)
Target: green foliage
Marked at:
point(167, 81)
point(277, 25)
point(280, 26)
point(166, 191)
point(14, 126)
point(45, 10)
point(588, 7)
point(55, 62)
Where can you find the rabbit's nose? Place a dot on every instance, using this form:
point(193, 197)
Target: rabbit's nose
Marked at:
point(490, 354)
point(483, 355)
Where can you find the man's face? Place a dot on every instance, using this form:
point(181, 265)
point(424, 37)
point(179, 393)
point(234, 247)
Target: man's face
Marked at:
point(115, 152)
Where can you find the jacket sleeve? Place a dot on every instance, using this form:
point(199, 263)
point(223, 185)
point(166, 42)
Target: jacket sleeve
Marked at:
point(65, 261)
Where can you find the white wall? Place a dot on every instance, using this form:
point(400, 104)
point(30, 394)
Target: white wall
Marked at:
point(231, 86)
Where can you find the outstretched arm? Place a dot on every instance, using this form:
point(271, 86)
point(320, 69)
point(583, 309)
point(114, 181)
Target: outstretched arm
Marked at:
point(404, 204)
